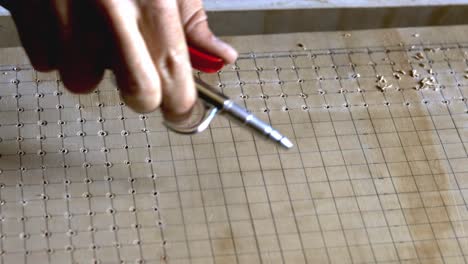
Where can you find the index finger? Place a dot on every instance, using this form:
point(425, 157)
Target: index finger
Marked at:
point(134, 68)
point(162, 29)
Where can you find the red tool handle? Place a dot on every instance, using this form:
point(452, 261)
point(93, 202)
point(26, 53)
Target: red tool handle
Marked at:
point(205, 62)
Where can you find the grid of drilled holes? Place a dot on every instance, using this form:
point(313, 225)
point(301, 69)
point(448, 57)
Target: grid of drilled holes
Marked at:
point(376, 176)
point(337, 78)
point(78, 181)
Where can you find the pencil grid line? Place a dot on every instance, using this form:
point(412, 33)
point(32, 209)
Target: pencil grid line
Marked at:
point(184, 228)
point(267, 194)
point(210, 240)
point(140, 260)
point(347, 171)
point(109, 188)
point(291, 111)
point(419, 193)
point(68, 214)
point(43, 188)
point(253, 203)
point(257, 247)
point(310, 191)
point(66, 178)
point(425, 155)
point(157, 203)
point(450, 115)
point(284, 178)
point(418, 257)
point(334, 129)
point(21, 190)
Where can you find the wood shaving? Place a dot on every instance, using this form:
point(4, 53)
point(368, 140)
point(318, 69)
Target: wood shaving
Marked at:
point(419, 56)
point(382, 84)
point(381, 79)
point(432, 50)
point(414, 73)
point(401, 72)
point(428, 83)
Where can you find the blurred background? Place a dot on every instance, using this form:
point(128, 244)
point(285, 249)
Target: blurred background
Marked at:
point(246, 17)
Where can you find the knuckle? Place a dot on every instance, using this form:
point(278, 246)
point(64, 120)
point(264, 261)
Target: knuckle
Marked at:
point(197, 17)
point(174, 61)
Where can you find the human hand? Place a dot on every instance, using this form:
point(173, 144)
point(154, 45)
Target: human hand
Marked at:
point(143, 41)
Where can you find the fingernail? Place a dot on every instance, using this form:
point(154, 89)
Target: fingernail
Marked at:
point(230, 52)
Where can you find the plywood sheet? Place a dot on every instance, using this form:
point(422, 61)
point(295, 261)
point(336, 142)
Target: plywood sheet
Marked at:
point(375, 177)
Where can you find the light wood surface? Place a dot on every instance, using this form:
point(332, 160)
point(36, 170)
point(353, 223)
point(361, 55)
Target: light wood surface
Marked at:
point(375, 177)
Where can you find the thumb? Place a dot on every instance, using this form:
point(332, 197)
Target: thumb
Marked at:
point(199, 35)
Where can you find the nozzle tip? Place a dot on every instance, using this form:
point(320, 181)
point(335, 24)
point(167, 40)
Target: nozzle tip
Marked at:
point(286, 143)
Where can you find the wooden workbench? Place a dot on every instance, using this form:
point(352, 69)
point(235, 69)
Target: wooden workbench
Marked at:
point(375, 177)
